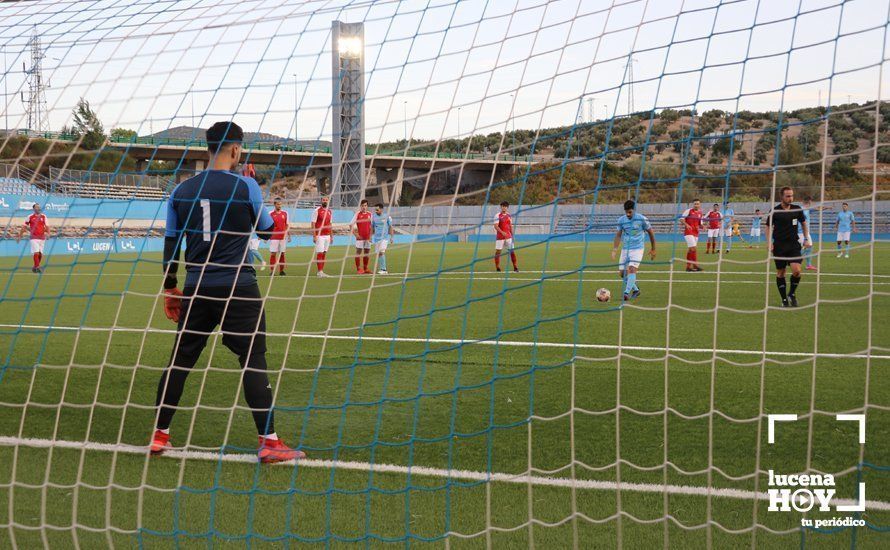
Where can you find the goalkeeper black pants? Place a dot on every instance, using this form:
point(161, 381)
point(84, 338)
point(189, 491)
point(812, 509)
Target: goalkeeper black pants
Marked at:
point(240, 314)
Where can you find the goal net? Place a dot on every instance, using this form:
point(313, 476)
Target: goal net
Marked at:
point(473, 370)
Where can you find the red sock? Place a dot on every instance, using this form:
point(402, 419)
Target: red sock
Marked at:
point(497, 259)
point(319, 261)
point(513, 259)
point(688, 259)
point(365, 259)
point(272, 259)
point(358, 262)
point(37, 259)
point(281, 264)
point(695, 258)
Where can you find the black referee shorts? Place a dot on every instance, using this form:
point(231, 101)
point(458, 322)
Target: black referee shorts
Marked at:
point(238, 311)
point(786, 254)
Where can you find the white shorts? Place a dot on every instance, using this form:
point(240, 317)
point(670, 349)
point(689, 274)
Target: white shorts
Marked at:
point(630, 258)
point(254, 244)
point(727, 232)
point(499, 244)
point(37, 245)
point(713, 233)
point(278, 245)
point(380, 246)
point(803, 242)
point(755, 231)
point(691, 240)
point(322, 243)
point(843, 235)
point(362, 244)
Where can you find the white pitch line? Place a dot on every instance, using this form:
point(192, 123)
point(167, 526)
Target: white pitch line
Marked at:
point(696, 277)
point(461, 277)
point(519, 343)
point(572, 279)
point(481, 342)
point(464, 475)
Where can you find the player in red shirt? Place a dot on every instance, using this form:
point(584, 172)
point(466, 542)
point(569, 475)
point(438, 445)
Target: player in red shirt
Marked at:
point(714, 218)
point(692, 222)
point(361, 230)
point(503, 230)
point(320, 224)
point(37, 228)
point(278, 242)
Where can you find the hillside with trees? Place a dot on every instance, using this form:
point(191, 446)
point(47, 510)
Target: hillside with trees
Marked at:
point(711, 153)
point(671, 152)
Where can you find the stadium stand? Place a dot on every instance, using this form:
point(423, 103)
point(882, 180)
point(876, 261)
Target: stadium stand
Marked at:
point(16, 186)
point(99, 185)
point(108, 191)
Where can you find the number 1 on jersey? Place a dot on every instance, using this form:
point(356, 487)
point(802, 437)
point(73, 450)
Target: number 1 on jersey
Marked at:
point(205, 210)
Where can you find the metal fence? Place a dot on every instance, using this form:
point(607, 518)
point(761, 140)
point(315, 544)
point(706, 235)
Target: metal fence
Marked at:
point(599, 217)
point(120, 179)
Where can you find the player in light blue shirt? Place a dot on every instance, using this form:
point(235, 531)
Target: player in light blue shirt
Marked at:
point(755, 225)
point(728, 218)
point(381, 234)
point(846, 224)
point(253, 252)
point(631, 235)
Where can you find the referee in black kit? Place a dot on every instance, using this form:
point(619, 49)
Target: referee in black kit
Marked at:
point(214, 213)
point(781, 227)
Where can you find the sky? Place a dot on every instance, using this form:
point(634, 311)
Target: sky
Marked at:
point(439, 69)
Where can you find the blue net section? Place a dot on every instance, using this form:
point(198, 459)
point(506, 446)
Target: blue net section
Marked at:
point(557, 322)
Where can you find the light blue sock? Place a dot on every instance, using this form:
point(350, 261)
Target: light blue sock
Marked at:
point(630, 283)
point(729, 243)
point(382, 262)
point(849, 247)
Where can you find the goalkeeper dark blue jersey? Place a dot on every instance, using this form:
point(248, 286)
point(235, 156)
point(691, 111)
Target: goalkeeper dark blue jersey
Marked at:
point(215, 213)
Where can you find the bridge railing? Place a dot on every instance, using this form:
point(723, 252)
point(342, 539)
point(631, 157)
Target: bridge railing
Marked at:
point(297, 148)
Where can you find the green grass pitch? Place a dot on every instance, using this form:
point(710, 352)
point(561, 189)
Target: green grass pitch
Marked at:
point(405, 394)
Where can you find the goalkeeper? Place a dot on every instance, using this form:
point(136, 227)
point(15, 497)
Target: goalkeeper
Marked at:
point(215, 213)
point(737, 232)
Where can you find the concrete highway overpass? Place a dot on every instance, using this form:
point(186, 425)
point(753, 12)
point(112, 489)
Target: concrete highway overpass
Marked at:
point(391, 171)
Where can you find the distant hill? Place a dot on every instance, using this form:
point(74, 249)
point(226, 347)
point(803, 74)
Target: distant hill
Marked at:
point(708, 140)
point(190, 132)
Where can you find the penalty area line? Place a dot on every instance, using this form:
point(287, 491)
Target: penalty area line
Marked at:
point(491, 341)
point(425, 471)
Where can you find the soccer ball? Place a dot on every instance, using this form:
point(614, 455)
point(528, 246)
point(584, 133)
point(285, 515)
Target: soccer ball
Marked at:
point(603, 295)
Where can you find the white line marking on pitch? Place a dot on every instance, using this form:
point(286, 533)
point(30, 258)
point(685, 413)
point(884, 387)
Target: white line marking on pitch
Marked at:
point(65, 271)
point(465, 475)
point(491, 341)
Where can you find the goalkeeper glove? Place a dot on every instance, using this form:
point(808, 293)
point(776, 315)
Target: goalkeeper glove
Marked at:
point(172, 303)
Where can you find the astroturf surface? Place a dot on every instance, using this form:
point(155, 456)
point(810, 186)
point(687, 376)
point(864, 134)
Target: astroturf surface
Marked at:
point(433, 369)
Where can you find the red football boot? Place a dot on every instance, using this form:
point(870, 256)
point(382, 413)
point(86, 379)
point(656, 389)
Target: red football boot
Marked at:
point(160, 442)
point(274, 450)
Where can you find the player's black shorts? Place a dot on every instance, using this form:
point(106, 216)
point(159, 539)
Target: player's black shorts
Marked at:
point(239, 311)
point(787, 253)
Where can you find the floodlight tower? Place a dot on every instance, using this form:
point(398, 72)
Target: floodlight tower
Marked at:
point(348, 105)
point(36, 101)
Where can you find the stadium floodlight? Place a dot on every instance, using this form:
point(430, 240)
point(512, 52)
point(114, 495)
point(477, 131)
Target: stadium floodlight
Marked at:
point(350, 46)
point(348, 113)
